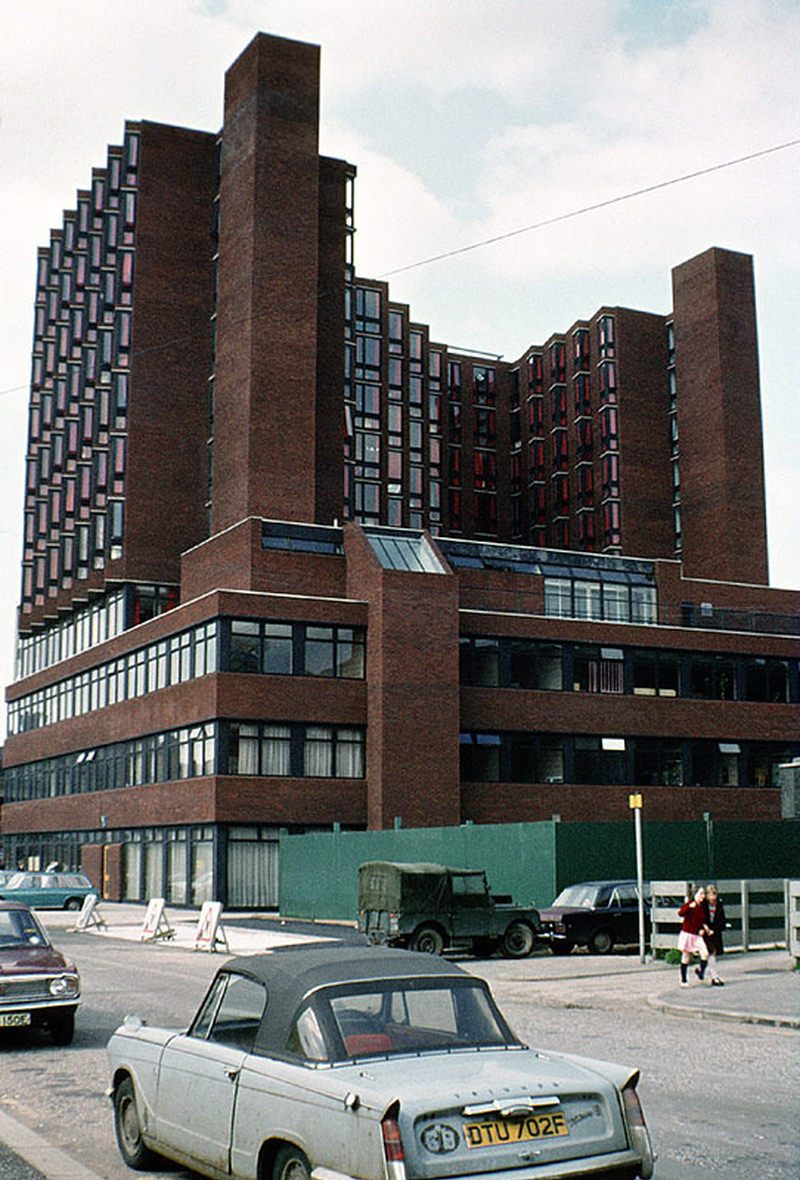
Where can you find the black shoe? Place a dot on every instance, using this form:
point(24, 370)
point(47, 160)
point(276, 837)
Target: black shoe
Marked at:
point(717, 983)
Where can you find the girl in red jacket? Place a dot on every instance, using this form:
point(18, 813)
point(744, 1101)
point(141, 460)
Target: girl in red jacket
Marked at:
point(690, 939)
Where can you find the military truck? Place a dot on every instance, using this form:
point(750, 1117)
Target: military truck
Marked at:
point(433, 908)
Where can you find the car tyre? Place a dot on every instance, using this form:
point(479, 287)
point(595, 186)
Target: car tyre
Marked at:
point(291, 1164)
point(62, 1028)
point(601, 942)
point(518, 940)
point(128, 1128)
point(562, 946)
point(73, 903)
point(428, 940)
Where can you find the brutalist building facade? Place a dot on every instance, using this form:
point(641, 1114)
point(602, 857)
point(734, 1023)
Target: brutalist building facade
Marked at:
point(289, 562)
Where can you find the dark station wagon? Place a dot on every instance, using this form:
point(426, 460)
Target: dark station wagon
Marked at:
point(599, 915)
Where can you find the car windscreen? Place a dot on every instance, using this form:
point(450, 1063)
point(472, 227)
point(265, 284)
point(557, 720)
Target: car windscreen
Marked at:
point(20, 928)
point(414, 1016)
point(580, 896)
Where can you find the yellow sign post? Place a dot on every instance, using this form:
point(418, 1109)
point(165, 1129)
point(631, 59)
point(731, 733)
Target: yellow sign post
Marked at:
point(635, 804)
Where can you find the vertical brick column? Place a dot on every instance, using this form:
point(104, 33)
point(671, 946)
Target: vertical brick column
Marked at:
point(413, 694)
point(719, 418)
point(264, 424)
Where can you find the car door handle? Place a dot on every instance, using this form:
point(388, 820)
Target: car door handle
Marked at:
point(232, 1072)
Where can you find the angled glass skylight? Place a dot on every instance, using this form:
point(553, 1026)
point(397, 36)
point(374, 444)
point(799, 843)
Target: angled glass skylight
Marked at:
point(411, 552)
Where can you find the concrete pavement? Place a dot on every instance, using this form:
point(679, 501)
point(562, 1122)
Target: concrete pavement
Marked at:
point(760, 988)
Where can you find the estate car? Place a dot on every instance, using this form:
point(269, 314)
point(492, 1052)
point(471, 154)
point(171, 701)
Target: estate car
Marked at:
point(48, 891)
point(599, 915)
point(341, 1062)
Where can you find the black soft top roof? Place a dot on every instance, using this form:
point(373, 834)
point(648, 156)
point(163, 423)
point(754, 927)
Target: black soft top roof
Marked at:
point(293, 972)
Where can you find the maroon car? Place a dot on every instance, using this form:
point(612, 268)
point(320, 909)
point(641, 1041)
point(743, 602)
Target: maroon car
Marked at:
point(38, 985)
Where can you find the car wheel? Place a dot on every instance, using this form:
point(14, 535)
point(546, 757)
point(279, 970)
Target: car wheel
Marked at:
point(129, 1129)
point(291, 1164)
point(518, 940)
point(72, 903)
point(562, 946)
point(62, 1028)
point(601, 942)
point(428, 940)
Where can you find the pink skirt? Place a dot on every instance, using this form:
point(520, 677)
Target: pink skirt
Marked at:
point(692, 943)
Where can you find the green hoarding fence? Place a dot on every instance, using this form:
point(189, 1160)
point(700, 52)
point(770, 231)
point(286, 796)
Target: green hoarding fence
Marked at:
point(533, 862)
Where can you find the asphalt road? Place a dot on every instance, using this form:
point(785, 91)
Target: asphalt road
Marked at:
point(721, 1098)
point(13, 1167)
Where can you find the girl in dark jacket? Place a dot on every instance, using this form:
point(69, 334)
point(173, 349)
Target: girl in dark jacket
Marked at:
point(715, 924)
point(691, 940)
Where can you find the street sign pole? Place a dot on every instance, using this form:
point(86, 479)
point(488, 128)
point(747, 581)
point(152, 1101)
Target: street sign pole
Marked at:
point(635, 804)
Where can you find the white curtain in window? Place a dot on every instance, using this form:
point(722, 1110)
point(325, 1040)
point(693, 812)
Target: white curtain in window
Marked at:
point(132, 860)
point(176, 872)
point(202, 872)
point(276, 750)
point(350, 753)
point(318, 752)
point(153, 870)
point(244, 749)
point(253, 873)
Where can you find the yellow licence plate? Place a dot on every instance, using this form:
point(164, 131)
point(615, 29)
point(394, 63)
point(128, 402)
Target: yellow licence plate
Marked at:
point(14, 1019)
point(493, 1132)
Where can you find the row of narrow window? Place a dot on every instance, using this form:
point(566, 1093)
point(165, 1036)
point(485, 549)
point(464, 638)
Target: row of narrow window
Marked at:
point(520, 663)
point(584, 759)
point(223, 645)
point(281, 749)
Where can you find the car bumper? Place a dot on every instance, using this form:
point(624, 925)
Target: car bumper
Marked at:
point(617, 1164)
point(37, 1013)
point(550, 936)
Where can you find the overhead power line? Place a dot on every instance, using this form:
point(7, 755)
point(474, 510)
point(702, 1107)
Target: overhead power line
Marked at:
point(650, 188)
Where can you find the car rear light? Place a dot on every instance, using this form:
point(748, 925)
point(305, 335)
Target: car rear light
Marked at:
point(393, 1145)
point(637, 1127)
point(633, 1107)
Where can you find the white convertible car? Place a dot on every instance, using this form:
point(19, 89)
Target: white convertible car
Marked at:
point(351, 1063)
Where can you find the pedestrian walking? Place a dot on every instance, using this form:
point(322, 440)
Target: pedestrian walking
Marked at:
point(691, 940)
point(716, 922)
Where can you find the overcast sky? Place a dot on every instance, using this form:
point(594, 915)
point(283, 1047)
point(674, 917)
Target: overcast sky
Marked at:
point(467, 120)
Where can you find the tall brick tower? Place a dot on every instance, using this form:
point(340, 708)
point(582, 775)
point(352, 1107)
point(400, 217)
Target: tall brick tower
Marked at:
point(271, 290)
point(723, 512)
